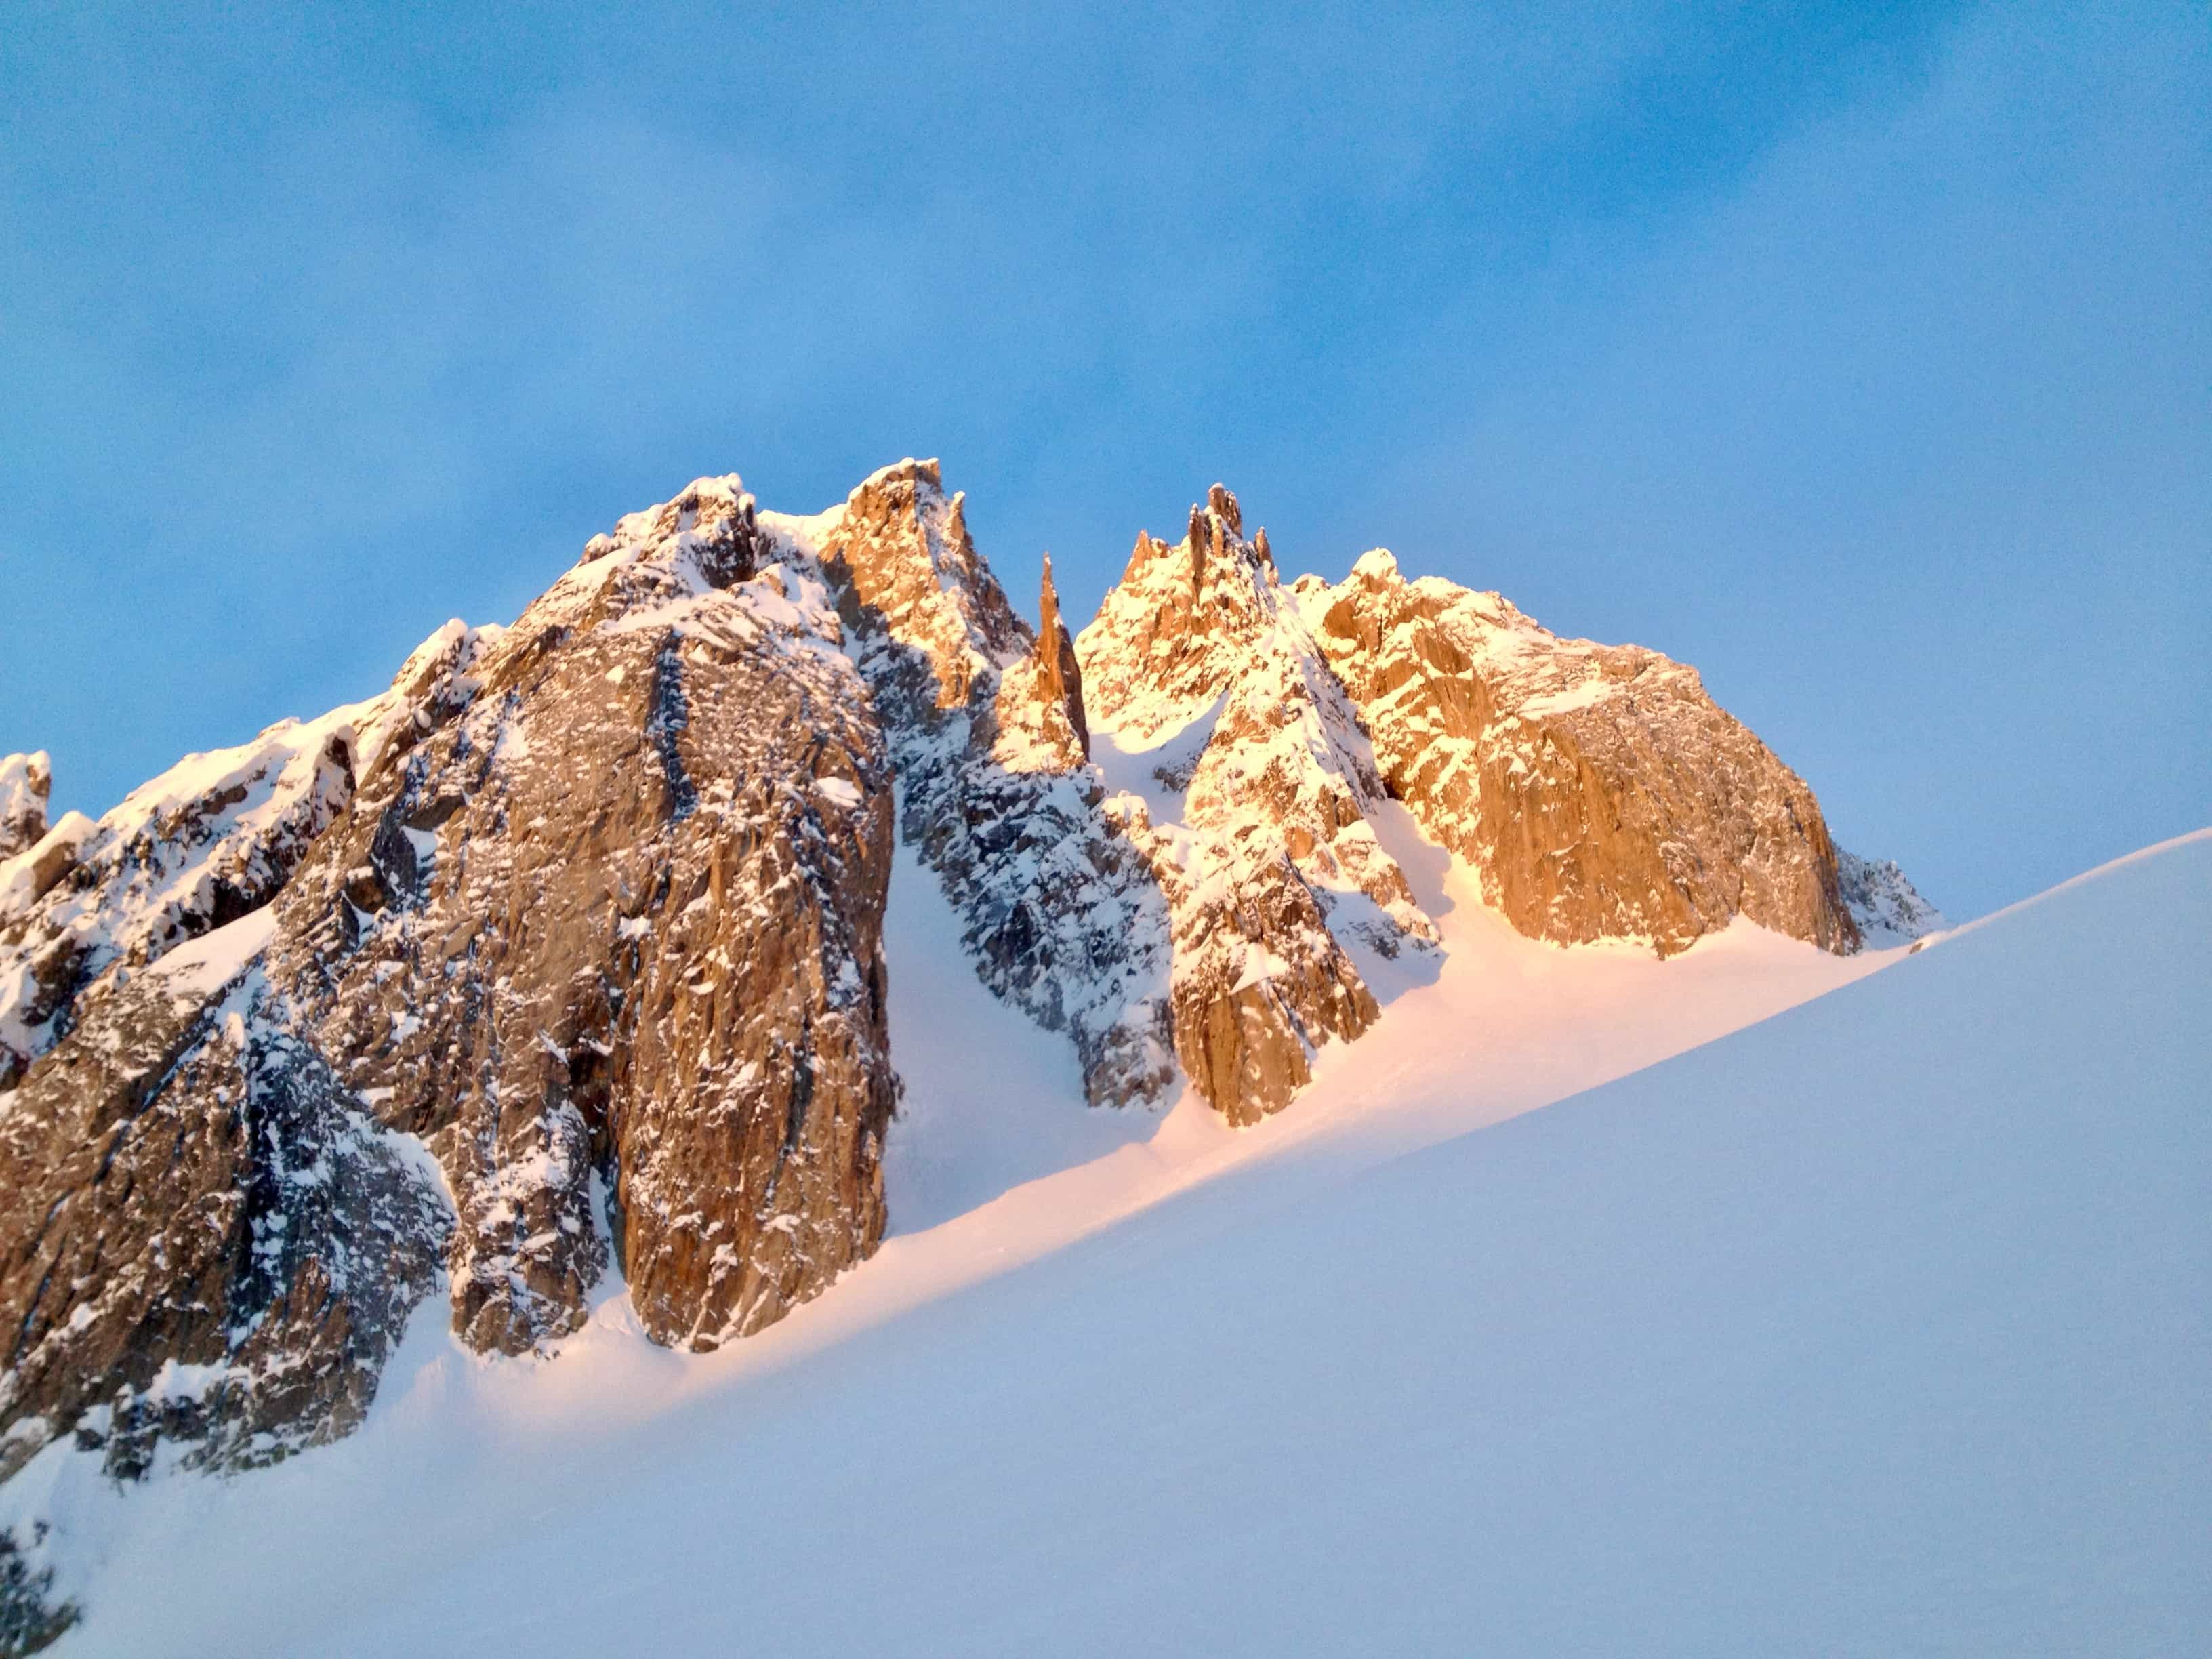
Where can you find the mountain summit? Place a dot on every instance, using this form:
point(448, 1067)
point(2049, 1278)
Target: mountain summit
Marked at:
point(563, 955)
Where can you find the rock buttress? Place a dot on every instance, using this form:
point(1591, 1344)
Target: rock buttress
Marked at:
point(624, 919)
point(592, 905)
point(1596, 790)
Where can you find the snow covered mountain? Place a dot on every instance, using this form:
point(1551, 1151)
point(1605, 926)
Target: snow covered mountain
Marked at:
point(559, 970)
point(1877, 1326)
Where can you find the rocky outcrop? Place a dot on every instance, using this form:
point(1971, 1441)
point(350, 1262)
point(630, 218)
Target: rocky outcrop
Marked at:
point(588, 905)
point(213, 838)
point(28, 998)
point(1255, 784)
point(26, 781)
point(32, 1619)
point(203, 1240)
point(1259, 983)
point(1596, 790)
point(1886, 909)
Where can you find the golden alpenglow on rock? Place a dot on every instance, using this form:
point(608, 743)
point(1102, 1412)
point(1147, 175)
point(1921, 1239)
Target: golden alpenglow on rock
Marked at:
point(1597, 789)
point(563, 955)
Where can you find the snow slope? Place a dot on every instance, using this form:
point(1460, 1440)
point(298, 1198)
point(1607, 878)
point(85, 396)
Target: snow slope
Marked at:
point(1879, 1326)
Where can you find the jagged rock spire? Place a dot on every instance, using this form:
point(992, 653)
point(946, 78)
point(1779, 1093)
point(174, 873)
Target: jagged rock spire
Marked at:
point(1176, 612)
point(988, 733)
point(1057, 671)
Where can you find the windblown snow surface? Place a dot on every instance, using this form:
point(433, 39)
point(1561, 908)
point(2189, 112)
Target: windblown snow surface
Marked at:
point(1884, 1326)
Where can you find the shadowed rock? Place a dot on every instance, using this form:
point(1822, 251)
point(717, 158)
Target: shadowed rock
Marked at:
point(203, 1238)
point(1059, 912)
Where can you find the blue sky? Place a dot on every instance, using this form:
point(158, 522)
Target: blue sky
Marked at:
point(1862, 355)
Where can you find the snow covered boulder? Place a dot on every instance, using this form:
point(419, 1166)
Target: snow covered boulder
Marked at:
point(25, 782)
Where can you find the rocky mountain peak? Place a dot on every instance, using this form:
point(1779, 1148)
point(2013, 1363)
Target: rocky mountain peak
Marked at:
point(1377, 567)
point(1169, 634)
point(905, 566)
point(562, 955)
point(1255, 815)
point(1041, 699)
point(711, 524)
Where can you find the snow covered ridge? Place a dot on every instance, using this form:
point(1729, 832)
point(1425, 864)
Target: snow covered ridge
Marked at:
point(561, 955)
point(213, 838)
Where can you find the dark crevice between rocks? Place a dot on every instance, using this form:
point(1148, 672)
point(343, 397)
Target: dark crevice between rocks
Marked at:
point(667, 716)
point(592, 1034)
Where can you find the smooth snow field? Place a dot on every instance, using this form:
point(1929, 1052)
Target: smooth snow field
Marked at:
point(1883, 1326)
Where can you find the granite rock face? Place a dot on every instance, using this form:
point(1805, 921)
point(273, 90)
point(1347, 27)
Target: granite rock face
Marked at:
point(1597, 791)
point(621, 917)
point(588, 906)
